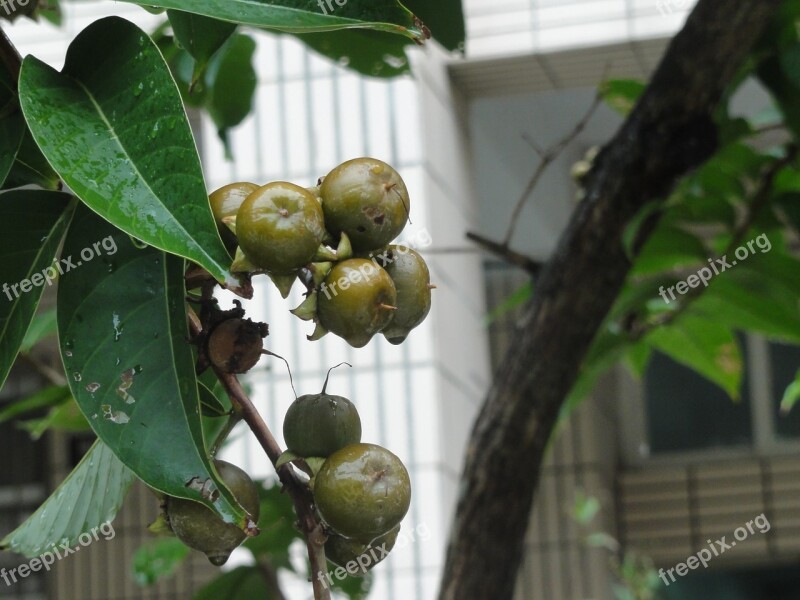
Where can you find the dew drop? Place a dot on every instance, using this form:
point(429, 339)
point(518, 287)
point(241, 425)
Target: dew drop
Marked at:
point(137, 91)
point(76, 376)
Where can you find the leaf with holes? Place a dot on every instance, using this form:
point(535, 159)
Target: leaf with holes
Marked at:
point(123, 331)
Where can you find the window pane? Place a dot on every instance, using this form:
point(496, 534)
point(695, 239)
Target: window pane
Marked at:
point(785, 361)
point(687, 412)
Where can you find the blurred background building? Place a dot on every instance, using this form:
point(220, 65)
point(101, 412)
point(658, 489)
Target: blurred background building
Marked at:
point(667, 476)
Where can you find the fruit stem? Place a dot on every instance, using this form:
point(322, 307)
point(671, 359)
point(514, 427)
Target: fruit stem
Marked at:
point(325, 385)
point(301, 496)
point(387, 307)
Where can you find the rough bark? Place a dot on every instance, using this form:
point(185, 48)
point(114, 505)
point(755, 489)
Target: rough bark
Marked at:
point(668, 133)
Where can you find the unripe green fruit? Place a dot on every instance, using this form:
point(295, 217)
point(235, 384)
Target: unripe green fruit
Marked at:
point(412, 280)
point(356, 300)
point(200, 528)
point(341, 551)
point(225, 202)
point(280, 227)
point(362, 491)
point(320, 424)
point(366, 199)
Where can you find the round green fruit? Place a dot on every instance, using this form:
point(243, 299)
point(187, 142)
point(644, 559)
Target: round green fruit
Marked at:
point(341, 551)
point(362, 491)
point(412, 280)
point(366, 199)
point(200, 528)
point(356, 300)
point(321, 424)
point(280, 227)
point(225, 202)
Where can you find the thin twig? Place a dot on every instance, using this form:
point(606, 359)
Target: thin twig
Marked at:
point(298, 491)
point(515, 258)
point(546, 158)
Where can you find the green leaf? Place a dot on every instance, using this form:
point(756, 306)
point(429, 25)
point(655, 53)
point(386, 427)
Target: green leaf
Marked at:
point(585, 509)
point(123, 330)
point(705, 346)
point(622, 94)
point(773, 75)
point(757, 295)
point(303, 16)
point(445, 19)
point(88, 498)
point(31, 167)
point(791, 396)
point(43, 326)
point(231, 84)
point(516, 299)
point(12, 128)
point(32, 224)
point(199, 36)
point(239, 584)
point(667, 249)
point(372, 53)
point(158, 559)
point(64, 417)
point(49, 396)
point(113, 125)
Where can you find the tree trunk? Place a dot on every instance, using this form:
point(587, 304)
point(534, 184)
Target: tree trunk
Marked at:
point(669, 132)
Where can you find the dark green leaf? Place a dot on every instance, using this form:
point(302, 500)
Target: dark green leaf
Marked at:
point(372, 53)
point(12, 128)
point(773, 76)
point(87, 499)
point(707, 347)
point(114, 127)
point(157, 559)
point(199, 36)
point(622, 94)
point(49, 396)
point(231, 83)
point(31, 167)
point(301, 16)
point(32, 225)
point(123, 330)
point(43, 326)
point(242, 583)
point(445, 19)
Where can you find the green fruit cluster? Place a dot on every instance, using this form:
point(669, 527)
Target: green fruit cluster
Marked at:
point(336, 237)
point(361, 491)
